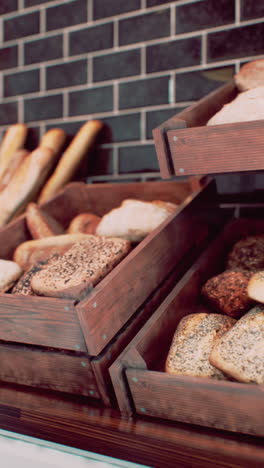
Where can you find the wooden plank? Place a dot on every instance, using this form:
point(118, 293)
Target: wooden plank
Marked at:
point(146, 265)
point(215, 149)
point(40, 321)
point(51, 370)
point(224, 405)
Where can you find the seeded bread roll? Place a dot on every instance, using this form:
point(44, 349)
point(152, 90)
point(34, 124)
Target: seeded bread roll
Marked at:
point(247, 254)
point(192, 344)
point(251, 75)
point(31, 252)
point(85, 223)
point(41, 224)
point(23, 286)
point(9, 274)
point(240, 352)
point(74, 274)
point(227, 293)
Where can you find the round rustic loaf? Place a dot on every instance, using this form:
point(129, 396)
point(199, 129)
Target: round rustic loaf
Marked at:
point(251, 75)
point(247, 254)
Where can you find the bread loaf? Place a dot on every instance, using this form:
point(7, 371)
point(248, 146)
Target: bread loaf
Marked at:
point(74, 274)
point(247, 254)
point(255, 288)
point(245, 107)
point(192, 344)
point(227, 293)
point(251, 75)
point(31, 252)
point(41, 224)
point(9, 274)
point(54, 139)
point(25, 184)
point(71, 159)
point(84, 222)
point(134, 219)
point(23, 286)
point(14, 139)
point(15, 161)
point(240, 352)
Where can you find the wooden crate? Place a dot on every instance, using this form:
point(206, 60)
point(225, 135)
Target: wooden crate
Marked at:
point(142, 386)
point(185, 145)
point(66, 346)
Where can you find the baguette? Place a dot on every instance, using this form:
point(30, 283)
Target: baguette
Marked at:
point(74, 274)
point(26, 183)
point(54, 139)
point(41, 224)
point(33, 251)
point(15, 160)
point(13, 140)
point(71, 159)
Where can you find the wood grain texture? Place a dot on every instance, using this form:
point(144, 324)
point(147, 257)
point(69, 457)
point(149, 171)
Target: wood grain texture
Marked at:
point(51, 370)
point(40, 321)
point(143, 270)
point(226, 405)
point(78, 423)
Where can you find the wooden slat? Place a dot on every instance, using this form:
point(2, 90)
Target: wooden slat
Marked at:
point(223, 405)
point(47, 369)
point(215, 149)
point(120, 294)
point(40, 321)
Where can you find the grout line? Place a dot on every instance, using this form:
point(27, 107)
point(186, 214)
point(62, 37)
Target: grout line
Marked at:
point(171, 89)
point(65, 45)
point(143, 126)
point(128, 175)
point(42, 21)
point(90, 10)
point(20, 56)
point(173, 20)
point(20, 110)
point(65, 104)
point(237, 66)
point(143, 4)
point(115, 161)
point(143, 61)
point(204, 49)
point(42, 79)
point(237, 11)
point(20, 4)
point(115, 97)
point(115, 33)
point(89, 71)
point(1, 85)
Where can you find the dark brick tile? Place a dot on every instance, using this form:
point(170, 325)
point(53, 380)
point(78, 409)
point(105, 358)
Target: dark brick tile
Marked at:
point(104, 8)
point(117, 65)
point(67, 14)
point(236, 42)
point(21, 26)
point(49, 48)
point(66, 74)
point(151, 3)
point(206, 14)
point(21, 83)
point(251, 9)
point(8, 57)
point(144, 27)
point(33, 138)
point(8, 113)
point(91, 39)
point(141, 158)
point(29, 3)
point(175, 54)
point(121, 128)
point(100, 162)
point(158, 117)
point(42, 108)
point(7, 6)
point(142, 93)
point(194, 85)
point(91, 101)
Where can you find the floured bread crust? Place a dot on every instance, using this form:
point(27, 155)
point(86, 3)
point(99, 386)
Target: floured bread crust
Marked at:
point(9, 274)
point(251, 75)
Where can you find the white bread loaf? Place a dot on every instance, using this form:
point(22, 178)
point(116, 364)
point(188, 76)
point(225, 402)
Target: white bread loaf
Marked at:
point(9, 274)
point(40, 223)
point(31, 252)
point(134, 219)
point(192, 343)
point(245, 107)
point(26, 183)
point(250, 75)
point(75, 273)
point(240, 351)
point(255, 288)
point(71, 159)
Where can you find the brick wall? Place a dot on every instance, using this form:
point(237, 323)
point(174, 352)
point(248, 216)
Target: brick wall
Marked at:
point(131, 63)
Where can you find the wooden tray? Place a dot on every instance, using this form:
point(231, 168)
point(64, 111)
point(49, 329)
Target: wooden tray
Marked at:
point(142, 386)
point(185, 145)
point(66, 346)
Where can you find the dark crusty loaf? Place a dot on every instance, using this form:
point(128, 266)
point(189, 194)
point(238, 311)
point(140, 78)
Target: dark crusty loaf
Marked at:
point(247, 254)
point(74, 274)
point(227, 292)
point(240, 352)
point(192, 344)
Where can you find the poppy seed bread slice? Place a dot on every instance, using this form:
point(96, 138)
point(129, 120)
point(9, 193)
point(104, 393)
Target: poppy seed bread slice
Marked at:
point(192, 344)
point(76, 272)
point(240, 352)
